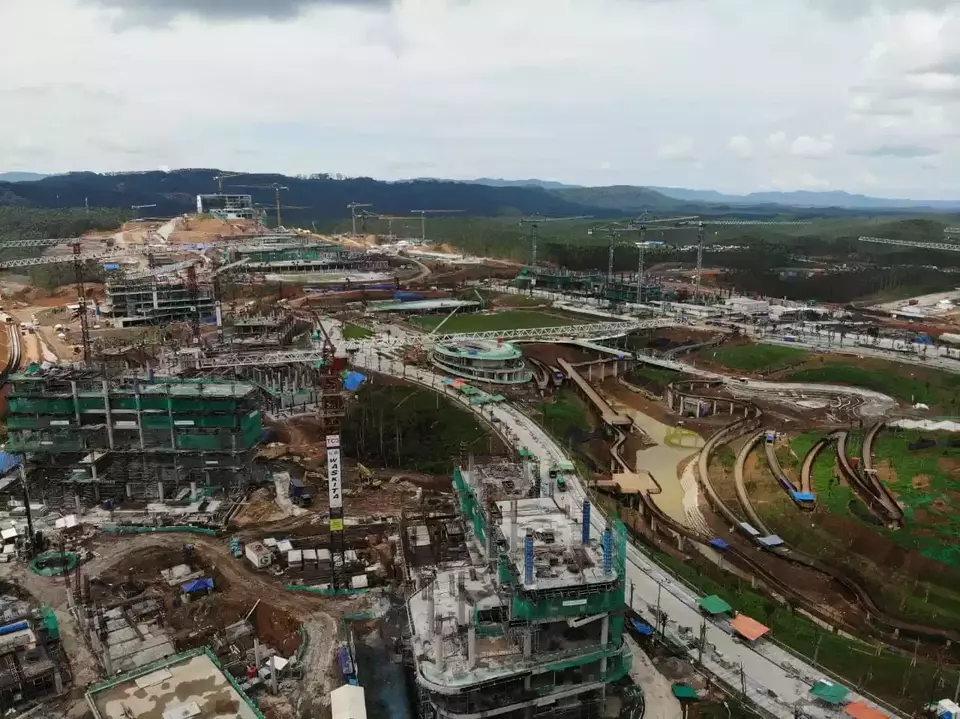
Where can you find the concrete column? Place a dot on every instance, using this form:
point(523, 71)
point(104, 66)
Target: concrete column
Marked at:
point(76, 401)
point(129, 488)
point(193, 491)
point(471, 647)
point(160, 490)
point(78, 503)
point(109, 415)
point(604, 640)
point(528, 642)
point(713, 407)
point(590, 373)
point(489, 538)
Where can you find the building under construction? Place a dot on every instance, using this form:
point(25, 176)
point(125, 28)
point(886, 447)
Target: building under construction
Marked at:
point(622, 289)
point(298, 256)
point(88, 438)
point(276, 329)
point(534, 626)
point(151, 298)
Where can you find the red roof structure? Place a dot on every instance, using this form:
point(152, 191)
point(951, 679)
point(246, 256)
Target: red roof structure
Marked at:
point(748, 628)
point(862, 710)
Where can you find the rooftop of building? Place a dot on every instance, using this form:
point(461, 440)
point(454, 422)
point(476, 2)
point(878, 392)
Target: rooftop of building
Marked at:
point(191, 684)
point(166, 386)
point(561, 559)
point(422, 305)
point(481, 349)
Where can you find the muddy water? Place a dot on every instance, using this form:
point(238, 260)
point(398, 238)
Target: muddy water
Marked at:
point(380, 665)
point(662, 460)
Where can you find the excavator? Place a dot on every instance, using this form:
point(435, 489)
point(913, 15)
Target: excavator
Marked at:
point(368, 477)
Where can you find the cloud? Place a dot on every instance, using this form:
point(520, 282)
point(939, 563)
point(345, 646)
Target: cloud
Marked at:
point(854, 9)
point(903, 152)
point(812, 148)
point(154, 12)
point(741, 146)
point(679, 150)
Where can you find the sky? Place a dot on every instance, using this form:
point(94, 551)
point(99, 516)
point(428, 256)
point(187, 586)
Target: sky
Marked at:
point(731, 95)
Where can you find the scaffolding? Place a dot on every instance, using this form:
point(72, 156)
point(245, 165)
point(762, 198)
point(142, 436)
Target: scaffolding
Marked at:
point(537, 629)
point(131, 438)
point(158, 299)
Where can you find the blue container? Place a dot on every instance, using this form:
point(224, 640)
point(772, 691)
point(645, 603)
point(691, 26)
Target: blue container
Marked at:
point(528, 559)
point(15, 627)
point(585, 522)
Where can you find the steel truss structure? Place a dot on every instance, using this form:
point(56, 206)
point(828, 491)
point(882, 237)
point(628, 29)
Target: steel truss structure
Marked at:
point(945, 246)
point(81, 257)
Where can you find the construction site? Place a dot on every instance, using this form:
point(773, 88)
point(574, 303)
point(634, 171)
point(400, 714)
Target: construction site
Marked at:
point(205, 497)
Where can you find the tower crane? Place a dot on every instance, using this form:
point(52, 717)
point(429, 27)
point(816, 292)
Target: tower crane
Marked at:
point(225, 176)
point(534, 221)
point(136, 209)
point(614, 229)
point(701, 226)
point(423, 220)
point(353, 207)
point(277, 188)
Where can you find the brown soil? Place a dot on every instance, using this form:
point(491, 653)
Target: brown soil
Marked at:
point(886, 473)
point(548, 354)
point(921, 481)
point(949, 464)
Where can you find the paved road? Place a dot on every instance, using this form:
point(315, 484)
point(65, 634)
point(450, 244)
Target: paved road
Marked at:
point(775, 679)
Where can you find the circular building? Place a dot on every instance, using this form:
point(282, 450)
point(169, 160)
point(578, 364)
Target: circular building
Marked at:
point(491, 361)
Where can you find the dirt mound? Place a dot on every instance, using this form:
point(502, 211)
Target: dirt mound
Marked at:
point(921, 481)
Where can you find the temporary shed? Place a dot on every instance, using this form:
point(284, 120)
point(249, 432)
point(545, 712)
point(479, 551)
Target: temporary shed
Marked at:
point(748, 628)
point(862, 710)
point(830, 692)
point(348, 702)
point(685, 692)
point(714, 605)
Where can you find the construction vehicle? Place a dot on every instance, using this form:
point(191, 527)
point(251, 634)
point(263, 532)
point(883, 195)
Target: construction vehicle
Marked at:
point(299, 494)
point(367, 476)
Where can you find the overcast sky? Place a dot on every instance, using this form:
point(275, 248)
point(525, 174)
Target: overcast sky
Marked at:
point(733, 95)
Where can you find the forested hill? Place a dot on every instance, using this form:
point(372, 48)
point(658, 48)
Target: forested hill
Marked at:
point(323, 198)
point(318, 196)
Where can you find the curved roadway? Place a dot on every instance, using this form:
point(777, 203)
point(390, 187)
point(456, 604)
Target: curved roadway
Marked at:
point(766, 667)
point(745, 502)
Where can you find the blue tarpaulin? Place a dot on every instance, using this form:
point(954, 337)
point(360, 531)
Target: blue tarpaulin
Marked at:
point(353, 380)
point(719, 543)
point(804, 496)
point(644, 629)
point(198, 585)
point(8, 462)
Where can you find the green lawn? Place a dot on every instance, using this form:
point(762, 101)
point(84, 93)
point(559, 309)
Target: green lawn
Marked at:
point(906, 383)
point(356, 332)
point(755, 358)
point(491, 322)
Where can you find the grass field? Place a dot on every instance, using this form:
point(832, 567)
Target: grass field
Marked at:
point(754, 358)
point(907, 383)
point(356, 332)
point(928, 530)
point(491, 322)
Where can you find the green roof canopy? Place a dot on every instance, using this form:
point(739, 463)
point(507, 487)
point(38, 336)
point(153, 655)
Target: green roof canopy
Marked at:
point(685, 693)
point(829, 692)
point(715, 605)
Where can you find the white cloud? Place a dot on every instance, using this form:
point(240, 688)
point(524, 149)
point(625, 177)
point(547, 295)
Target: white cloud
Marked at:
point(679, 150)
point(417, 90)
point(812, 147)
point(741, 146)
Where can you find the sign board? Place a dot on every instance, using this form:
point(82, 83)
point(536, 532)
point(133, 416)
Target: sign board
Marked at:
point(334, 471)
point(336, 525)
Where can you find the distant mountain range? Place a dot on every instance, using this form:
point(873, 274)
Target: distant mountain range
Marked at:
point(799, 198)
point(20, 176)
point(321, 197)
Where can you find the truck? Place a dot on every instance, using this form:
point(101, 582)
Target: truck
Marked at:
point(789, 338)
point(561, 484)
point(299, 494)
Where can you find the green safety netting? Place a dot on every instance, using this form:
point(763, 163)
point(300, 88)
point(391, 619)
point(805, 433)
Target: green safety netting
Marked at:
point(52, 564)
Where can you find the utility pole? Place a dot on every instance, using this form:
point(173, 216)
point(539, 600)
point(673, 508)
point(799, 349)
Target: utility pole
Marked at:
point(699, 260)
point(277, 187)
point(82, 300)
point(703, 641)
